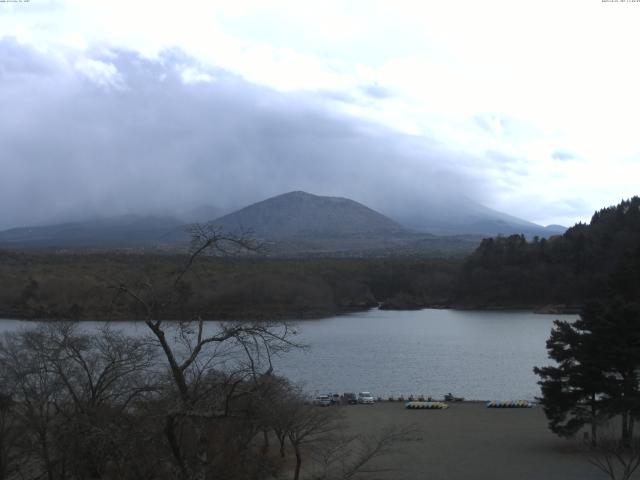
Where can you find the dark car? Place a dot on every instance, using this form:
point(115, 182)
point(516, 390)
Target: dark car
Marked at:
point(350, 398)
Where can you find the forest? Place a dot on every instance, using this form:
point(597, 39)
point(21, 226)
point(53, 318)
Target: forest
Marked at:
point(565, 271)
point(36, 286)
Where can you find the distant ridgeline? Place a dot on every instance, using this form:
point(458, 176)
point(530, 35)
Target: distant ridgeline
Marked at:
point(563, 271)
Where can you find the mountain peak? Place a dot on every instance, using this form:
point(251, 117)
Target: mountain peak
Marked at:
point(296, 193)
point(300, 213)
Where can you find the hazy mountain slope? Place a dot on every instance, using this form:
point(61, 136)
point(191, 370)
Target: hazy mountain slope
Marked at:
point(296, 223)
point(460, 215)
point(298, 214)
point(201, 214)
point(111, 232)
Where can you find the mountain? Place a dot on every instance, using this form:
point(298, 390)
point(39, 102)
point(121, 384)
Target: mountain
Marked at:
point(294, 223)
point(126, 231)
point(301, 214)
point(302, 224)
point(555, 230)
point(461, 215)
point(201, 214)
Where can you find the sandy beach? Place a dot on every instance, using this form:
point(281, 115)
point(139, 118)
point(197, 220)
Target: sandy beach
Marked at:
point(469, 441)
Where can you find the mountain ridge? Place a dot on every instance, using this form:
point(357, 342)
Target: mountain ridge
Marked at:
point(296, 222)
point(124, 231)
point(461, 215)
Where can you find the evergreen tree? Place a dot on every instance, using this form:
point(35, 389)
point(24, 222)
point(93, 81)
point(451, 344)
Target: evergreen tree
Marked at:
point(596, 377)
point(572, 391)
point(616, 328)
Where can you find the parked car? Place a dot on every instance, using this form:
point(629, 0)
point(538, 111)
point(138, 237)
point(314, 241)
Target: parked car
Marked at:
point(322, 400)
point(450, 398)
point(349, 398)
point(366, 397)
point(335, 398)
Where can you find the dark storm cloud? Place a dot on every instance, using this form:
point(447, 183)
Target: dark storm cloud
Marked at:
point(112, 132)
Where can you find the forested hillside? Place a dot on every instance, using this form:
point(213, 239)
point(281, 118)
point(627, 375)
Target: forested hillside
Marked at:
point(564, 270)
point(83, 286)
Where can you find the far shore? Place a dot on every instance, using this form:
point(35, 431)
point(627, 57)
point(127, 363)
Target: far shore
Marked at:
point(306, 315)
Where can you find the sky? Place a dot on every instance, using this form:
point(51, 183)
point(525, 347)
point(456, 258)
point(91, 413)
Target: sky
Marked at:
point(111, 107)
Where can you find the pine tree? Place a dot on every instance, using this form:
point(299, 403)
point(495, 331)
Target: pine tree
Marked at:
point(572, 391)
point(596, 377)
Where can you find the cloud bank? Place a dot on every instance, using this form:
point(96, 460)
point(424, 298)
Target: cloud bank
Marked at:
point(539, 126)
point(110, 132)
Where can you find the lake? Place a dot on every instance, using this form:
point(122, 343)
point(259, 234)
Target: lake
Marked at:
point(484, 355)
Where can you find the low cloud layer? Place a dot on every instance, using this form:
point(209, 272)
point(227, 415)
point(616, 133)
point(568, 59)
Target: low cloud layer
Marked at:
point(111, 132)
point(107, 108)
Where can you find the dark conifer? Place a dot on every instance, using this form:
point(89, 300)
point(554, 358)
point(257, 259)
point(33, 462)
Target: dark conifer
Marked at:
point(596, 377)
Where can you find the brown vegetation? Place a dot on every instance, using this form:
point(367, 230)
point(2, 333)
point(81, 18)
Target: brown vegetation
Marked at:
point(65, 286)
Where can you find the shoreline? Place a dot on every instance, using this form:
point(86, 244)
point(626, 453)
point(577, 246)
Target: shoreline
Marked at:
point(304, 316)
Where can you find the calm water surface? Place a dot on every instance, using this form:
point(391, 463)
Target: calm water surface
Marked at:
point(478, 355)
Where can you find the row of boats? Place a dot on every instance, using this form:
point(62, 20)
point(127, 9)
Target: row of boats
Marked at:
point(418, 405)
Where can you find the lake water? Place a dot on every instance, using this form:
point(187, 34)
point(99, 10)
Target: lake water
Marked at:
point(477, 355)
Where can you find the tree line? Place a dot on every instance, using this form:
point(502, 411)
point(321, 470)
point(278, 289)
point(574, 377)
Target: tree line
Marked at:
point(563, 270)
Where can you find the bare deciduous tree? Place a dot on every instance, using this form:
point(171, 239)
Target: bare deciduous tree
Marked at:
point(72, 394)
point(10, 435)
point(616, 458)
point(36, 391)
point(193, 400)
point(240, 349)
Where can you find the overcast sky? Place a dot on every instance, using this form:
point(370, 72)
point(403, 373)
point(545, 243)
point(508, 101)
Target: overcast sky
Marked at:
point(529, 107)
